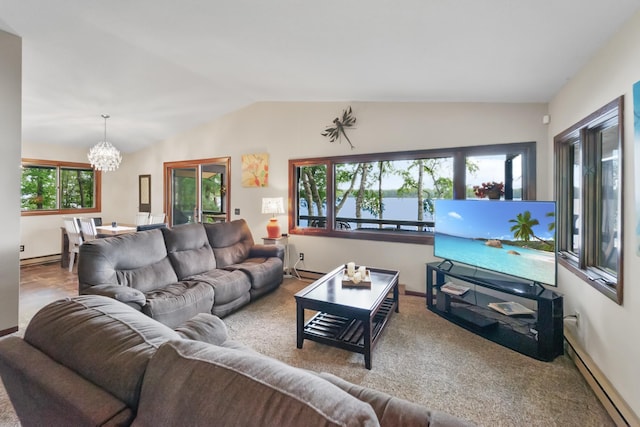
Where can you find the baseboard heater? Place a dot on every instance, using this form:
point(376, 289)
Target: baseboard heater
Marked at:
point(615, 405)
point(46, 259)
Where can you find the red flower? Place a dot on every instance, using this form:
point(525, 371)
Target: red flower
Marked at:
point(488, 187)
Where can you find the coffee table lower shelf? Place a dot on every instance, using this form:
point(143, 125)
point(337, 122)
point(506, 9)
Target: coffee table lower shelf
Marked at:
point(346, 333)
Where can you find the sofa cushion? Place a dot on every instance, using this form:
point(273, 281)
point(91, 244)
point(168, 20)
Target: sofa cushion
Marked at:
point(196, 384)
point(263, 272)
point(227, 285)
point(137, 260)
point(148, 277)
point(103, 340)
point(189, 250)
point(230, 241)
point(178, 302)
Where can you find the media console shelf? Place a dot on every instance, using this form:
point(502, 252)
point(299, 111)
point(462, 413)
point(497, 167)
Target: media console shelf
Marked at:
point(538, 335)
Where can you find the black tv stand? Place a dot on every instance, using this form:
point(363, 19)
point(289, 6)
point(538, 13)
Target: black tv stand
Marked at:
point(538, 335)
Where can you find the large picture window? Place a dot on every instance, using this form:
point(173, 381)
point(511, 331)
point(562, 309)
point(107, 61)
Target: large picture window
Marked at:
point(589, 194)
point(50, 187)
point(390, 196)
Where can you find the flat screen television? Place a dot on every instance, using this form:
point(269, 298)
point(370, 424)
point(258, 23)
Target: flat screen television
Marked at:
point(516, 238)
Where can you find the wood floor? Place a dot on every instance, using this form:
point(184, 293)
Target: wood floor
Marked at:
point(41, 284)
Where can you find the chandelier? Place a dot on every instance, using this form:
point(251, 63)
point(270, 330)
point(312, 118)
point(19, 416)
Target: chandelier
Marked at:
point(104, 156)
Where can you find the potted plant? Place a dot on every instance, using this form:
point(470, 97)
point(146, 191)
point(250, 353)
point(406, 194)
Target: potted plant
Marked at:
point(492, 190)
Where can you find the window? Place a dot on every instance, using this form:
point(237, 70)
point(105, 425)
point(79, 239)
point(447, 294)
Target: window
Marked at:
point(589, 195)
point(390, 196)
point(50, 187)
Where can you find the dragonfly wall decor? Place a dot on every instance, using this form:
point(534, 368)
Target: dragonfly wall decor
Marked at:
point(336, 131)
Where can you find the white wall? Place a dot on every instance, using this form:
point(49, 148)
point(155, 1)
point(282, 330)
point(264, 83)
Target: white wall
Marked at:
point(10, 136)
point(292, 130)
point(607, 331)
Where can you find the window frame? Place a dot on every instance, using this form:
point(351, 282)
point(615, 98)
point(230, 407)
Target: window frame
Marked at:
point(459, 154)
point(583, 264)
point(59, 165)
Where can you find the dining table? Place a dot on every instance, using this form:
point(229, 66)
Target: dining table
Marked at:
point(110, 230)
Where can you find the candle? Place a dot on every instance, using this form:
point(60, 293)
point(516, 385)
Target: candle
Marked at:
point(356, 277)
point(363, 271)
point(351, 268)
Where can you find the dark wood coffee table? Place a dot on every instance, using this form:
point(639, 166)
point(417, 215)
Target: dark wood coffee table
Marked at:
point(347, 318)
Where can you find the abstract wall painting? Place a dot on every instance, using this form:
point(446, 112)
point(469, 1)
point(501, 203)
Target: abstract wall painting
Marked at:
point(255, 170)
point(636, 137)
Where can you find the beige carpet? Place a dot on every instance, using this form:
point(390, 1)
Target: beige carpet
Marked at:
point(428, 360)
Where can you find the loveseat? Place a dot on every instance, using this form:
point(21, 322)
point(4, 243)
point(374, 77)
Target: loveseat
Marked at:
point(172, 274)
point(93, 361)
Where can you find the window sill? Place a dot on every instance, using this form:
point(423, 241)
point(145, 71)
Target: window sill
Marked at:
point(423, 238)
point(595, 280)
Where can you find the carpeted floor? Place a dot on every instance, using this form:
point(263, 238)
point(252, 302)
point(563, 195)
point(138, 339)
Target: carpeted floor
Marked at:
point(426, 359)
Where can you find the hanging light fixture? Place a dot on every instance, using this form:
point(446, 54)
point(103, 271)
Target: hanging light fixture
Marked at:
point(104, 156)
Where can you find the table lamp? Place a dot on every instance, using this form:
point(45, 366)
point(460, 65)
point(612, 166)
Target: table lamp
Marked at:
point(273, 206)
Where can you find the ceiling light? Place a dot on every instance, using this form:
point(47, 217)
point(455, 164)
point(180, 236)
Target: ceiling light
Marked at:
point(104, 156)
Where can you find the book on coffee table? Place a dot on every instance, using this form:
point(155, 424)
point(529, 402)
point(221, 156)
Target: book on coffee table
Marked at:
point(510, 308)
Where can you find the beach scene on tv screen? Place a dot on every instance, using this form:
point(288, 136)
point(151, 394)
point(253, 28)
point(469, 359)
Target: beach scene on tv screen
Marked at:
point(511, 237)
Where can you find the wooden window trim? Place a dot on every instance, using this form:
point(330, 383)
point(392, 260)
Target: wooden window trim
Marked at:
point(527, 149)
point(62, 164)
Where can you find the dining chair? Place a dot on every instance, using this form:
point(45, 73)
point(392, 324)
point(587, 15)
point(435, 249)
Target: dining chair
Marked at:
point(156, 218)
point(75, 240)
point(88, 228)
point(142, 218)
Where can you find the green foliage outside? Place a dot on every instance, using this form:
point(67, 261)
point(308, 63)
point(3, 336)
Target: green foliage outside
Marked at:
point(423, 179)
point(39, 188)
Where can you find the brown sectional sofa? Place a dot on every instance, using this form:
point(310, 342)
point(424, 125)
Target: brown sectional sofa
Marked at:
point(172, 274)
point(93, 361)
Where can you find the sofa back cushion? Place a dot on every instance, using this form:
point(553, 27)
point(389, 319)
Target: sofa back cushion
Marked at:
point(188, 249)
point(138, 260)
point(230, 241)
point(196, 384)
point(103, 340)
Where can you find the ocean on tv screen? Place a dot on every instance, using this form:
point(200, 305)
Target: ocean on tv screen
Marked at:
point(511, 237)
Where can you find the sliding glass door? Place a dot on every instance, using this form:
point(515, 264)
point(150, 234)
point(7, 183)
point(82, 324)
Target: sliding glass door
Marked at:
point(197, 190)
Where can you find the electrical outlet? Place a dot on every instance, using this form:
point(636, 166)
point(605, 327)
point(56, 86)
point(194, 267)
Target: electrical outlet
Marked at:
point(301, 256)
point(21, 248)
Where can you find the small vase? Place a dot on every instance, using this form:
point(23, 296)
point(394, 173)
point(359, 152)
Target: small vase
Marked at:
point(493, 195)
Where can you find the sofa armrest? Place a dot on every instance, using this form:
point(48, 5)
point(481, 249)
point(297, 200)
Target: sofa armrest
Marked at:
point(266, 251)
point(44, 392)
point(393, 411)
point(204, 327)
point(120, 293)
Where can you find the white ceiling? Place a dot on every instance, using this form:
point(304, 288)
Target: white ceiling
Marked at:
point(160, 67)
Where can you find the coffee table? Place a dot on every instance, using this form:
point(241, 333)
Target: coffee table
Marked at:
point(348, 318)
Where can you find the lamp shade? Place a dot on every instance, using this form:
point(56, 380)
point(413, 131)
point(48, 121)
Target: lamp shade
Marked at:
point(273, 206)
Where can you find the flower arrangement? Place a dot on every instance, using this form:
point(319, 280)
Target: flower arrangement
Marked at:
point(493, 190)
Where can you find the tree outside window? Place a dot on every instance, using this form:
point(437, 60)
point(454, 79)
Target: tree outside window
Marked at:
point(49, 187)
point(390, 196)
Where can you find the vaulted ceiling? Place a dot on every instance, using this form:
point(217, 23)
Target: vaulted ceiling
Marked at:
point(160, 67)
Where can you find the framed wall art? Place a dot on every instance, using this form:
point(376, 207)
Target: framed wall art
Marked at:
point(255, 170)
